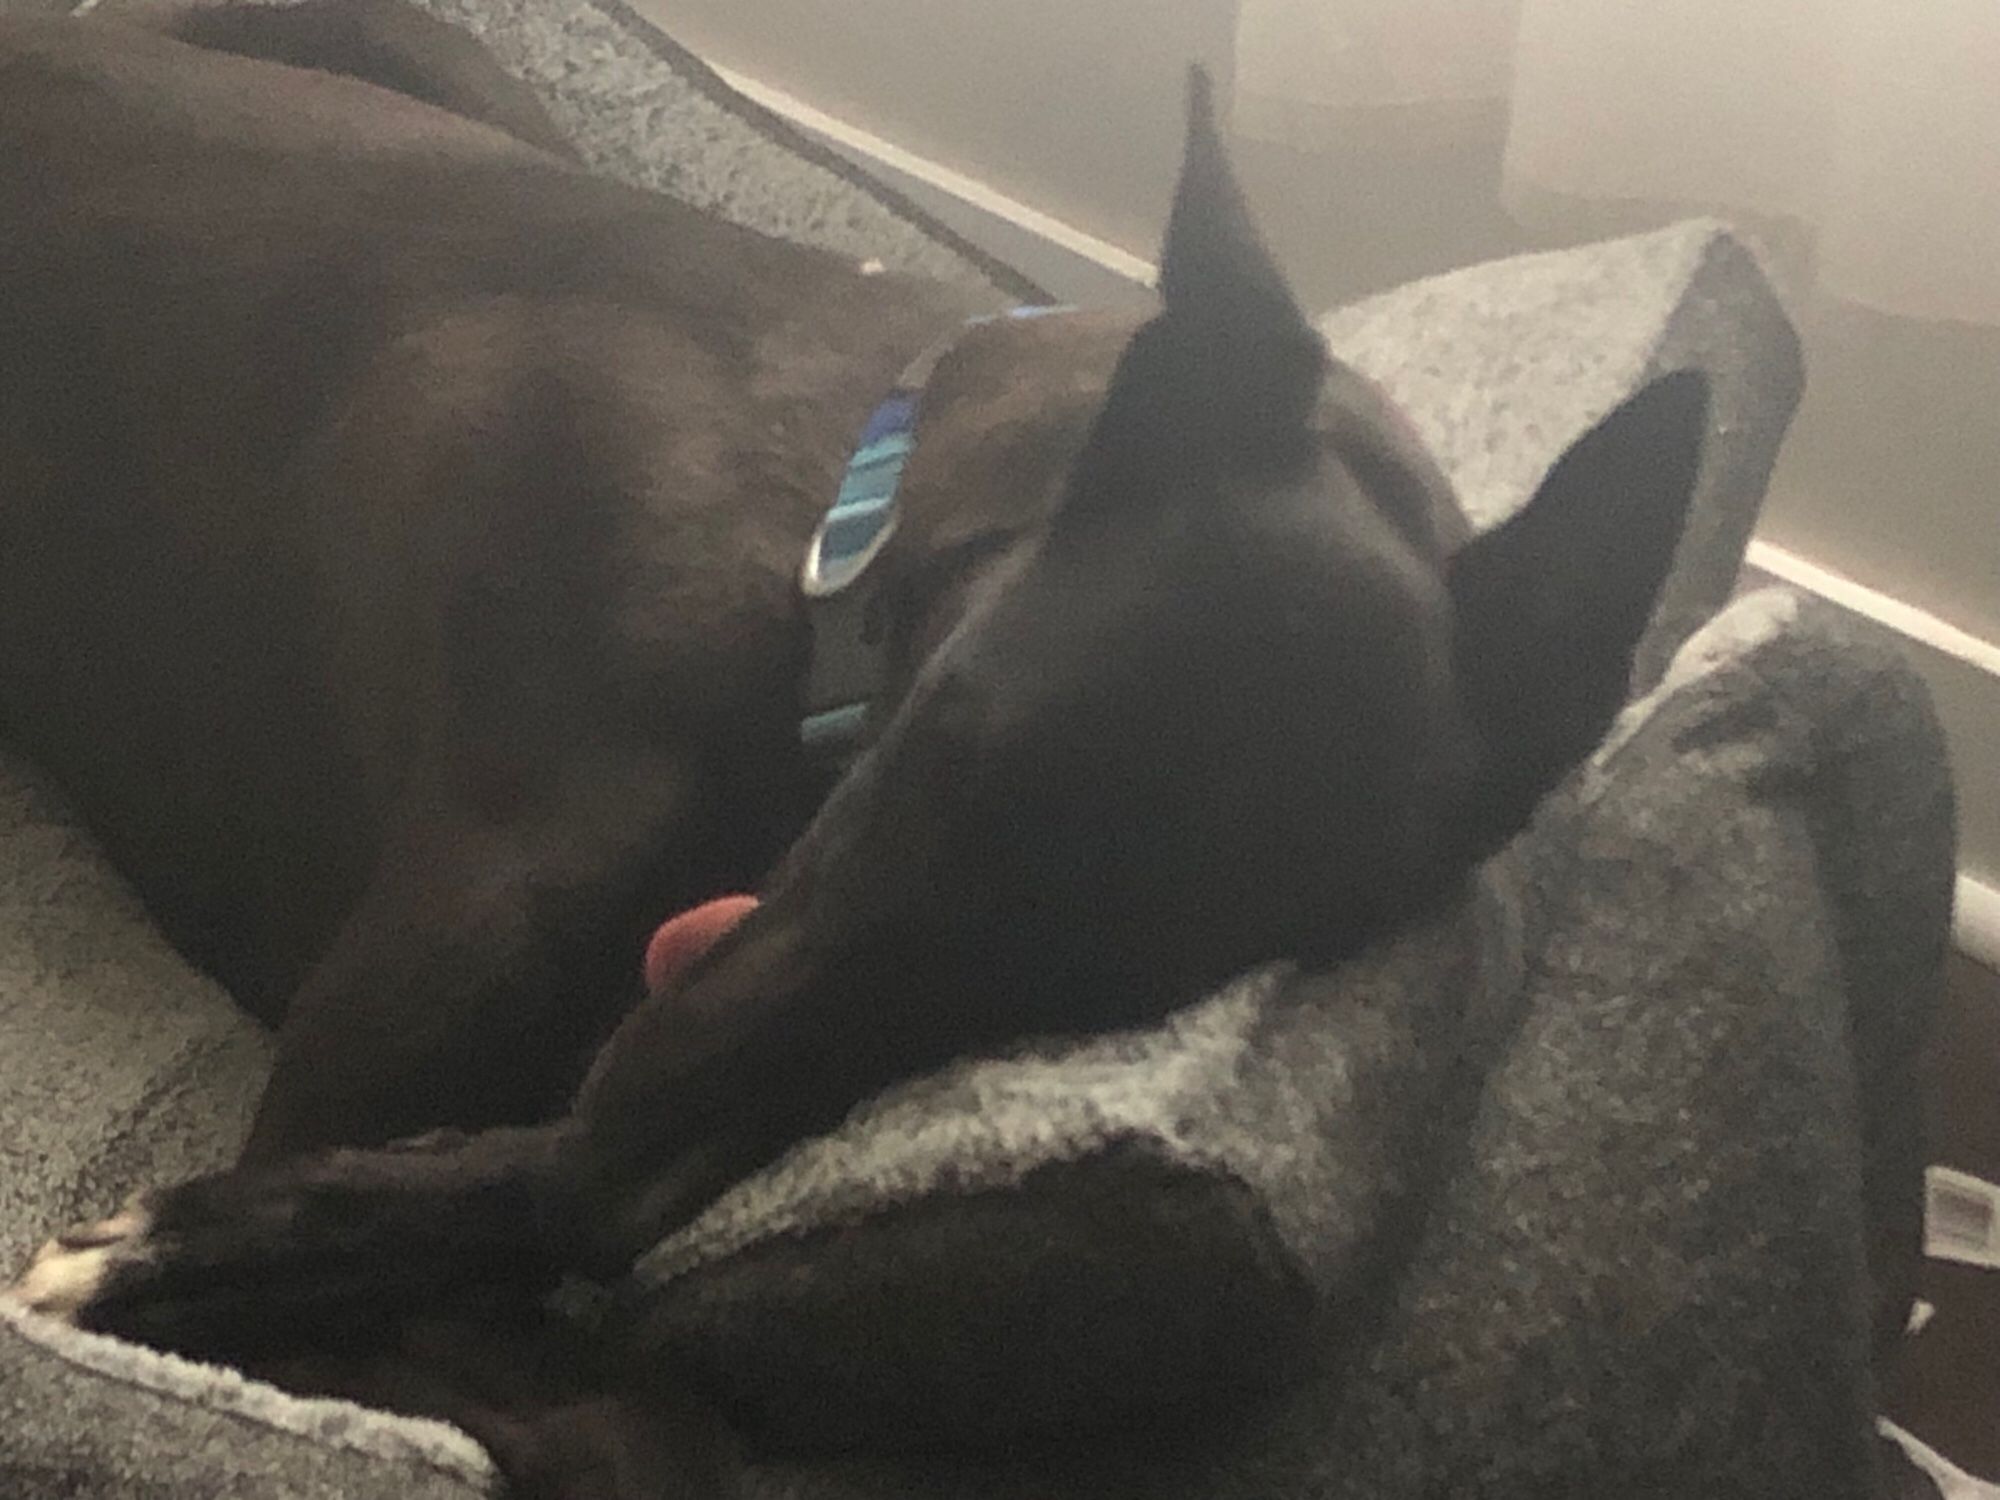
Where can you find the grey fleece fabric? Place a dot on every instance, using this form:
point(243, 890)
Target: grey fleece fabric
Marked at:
point(605, 78)
point(1086, 1234)
point(1640, 1270)
point(1498, 365)
point(1641, 1267)
point(118, 1063)
point(1561, 1195)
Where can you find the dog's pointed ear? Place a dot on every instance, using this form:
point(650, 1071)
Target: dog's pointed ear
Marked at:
point(1550, 604)
point(1228, 373)
point(1214, 267)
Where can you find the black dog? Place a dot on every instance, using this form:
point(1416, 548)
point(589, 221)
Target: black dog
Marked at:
point(405, 532)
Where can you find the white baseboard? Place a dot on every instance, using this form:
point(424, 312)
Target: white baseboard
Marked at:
point(1976, 925)
point(970, 191)
point(1905, 619)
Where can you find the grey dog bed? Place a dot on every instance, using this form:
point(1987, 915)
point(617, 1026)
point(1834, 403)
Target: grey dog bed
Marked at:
point(1566, 1193)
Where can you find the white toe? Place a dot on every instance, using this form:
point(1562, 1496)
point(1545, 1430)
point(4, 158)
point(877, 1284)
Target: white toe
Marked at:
point(60, 1281)
point(69, 1270)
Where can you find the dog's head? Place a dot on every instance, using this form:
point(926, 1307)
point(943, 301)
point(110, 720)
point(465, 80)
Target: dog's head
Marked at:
point(1246, 692)
point(1206, 675)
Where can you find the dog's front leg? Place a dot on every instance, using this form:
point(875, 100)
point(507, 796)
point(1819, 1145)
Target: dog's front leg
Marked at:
point(327, 1253)
point(489, 957)
point(408, 1279)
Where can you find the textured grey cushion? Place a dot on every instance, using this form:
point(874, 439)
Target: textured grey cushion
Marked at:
point(1187, 1204)
point(1641, 1273)
point(88, 1418)
point(1072, 1233)
point(1501, 365)
point(1647, 1276)
point(603, 75)
point(118, 1064)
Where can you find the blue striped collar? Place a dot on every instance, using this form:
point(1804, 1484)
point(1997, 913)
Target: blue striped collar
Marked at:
point(848, 652)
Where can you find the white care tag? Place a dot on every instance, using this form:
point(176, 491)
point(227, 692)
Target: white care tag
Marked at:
point(1961, 1218)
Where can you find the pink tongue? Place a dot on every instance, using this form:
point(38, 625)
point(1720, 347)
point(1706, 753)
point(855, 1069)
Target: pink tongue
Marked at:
point(683, 939)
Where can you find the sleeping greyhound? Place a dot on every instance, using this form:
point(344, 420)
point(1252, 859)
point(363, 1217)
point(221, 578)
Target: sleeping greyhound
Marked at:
point(405, 541)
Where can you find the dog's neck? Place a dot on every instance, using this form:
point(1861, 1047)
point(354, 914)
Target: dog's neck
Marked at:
point(845, 595)
point(1005, 412)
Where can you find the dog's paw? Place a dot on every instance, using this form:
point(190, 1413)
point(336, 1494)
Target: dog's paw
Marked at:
point(179, 1269)
point(76, 1269)
point(330, 1252)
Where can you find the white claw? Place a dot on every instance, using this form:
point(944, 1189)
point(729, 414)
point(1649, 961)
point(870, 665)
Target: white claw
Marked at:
point(69, 1270)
